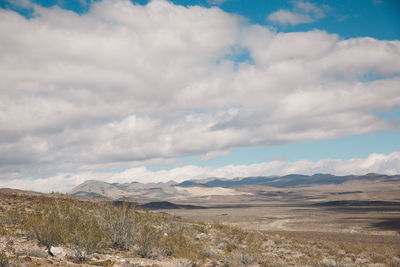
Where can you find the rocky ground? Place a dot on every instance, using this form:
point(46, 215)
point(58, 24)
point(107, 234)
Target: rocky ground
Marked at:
point(277, 250)
point(179, 243)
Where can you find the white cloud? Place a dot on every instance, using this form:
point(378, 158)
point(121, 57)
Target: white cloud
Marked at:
point(213, 154)
point(125, 85)
point(375, 163)
point(216, 2)
point(286, 17)
point(21, 3)
point(302, 12)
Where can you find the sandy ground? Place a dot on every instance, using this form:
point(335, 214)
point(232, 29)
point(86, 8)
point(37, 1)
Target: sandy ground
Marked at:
point(362, 220)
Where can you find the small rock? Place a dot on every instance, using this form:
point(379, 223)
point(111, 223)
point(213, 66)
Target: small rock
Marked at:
point(201, 236)
point(285, 251)
point(270, 243)
point(348, 260)
point(361, 261)
point(59, 252)
point(62, 253)
point(329, 262)
point(341, 252)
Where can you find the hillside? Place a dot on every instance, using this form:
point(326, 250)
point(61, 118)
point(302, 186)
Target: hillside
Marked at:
point(55, 230)
point(246, 187)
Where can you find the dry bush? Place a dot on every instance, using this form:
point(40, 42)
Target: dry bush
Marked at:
point(87, 227)
point(240, 258)
point(181, 244)
point(147, 241)
point(118, 222)
point(4, 262)
point(46, 225)
point(83, 234)
point(3, 230)
point(15, 215)
point(66, 222)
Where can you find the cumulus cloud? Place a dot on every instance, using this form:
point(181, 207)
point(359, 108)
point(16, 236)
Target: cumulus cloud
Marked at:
point(63, 182)
point(124, 85)
point(302, 12)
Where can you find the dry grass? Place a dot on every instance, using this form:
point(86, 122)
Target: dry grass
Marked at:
point(4, 262)
point(99, 233)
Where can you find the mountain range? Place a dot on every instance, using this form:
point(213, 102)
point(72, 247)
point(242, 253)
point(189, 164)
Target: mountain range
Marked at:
point(207, 188)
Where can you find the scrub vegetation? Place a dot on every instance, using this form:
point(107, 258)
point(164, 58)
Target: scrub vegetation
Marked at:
point(60, 230)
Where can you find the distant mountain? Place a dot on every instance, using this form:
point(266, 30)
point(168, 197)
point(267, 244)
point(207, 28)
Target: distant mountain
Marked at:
point(214, 186)
point(157, 205)
point(147, 192)
point(94, 188)
point(357, 203)
point(292, 180)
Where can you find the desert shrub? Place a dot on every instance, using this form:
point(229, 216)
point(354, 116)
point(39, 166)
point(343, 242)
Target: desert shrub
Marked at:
point(14, 216)
point(147, 241)
point(376, 258)
point(67, 222)
point(4, 262)
point(181, 244)
point(87, 227)
point(246, 253)
point(241, 258)
point(394, 263)
point(82, 232)
point(155, 236)
point(3, 230)
point(15, 212)
point(46, 225)
point(253, 242)
point(118, 222)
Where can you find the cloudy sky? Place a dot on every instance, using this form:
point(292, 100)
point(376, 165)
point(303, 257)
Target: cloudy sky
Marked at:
point(123, 91)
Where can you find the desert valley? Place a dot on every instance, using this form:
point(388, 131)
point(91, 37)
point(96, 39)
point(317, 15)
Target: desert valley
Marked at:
point(293, 220)
point(200, 133)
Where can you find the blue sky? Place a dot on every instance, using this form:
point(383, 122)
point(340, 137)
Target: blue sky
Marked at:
point(357, 18)
point(186, 89)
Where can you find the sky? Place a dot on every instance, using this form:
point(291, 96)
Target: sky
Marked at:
point(152, 91)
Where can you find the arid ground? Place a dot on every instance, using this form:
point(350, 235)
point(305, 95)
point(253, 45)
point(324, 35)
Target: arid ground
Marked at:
point(336, 225)
point(365, 217)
